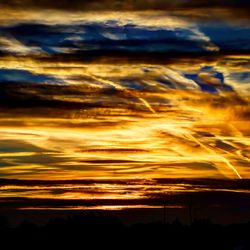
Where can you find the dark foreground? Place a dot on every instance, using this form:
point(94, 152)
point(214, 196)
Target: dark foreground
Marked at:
point(87, 231)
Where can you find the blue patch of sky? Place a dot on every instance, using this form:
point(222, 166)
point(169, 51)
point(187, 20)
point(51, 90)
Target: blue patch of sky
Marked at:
point(14, 75)
point(227, 36)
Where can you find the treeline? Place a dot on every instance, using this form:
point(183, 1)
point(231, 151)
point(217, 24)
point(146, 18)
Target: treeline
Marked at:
point(87, 231)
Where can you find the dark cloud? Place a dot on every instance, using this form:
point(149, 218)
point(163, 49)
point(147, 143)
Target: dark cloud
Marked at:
point(123, 5)
point(17, 76)
point(106, 38)
point(17, 146)
point(111, 38)
point(230, 184)
point(209, 192)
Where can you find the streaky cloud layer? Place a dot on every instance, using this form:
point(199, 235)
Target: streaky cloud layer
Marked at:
point(104, 108)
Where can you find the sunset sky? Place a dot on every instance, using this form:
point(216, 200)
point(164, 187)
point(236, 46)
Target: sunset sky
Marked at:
point(124, 100)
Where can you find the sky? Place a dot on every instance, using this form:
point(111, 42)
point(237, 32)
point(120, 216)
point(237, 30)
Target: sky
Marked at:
point(133, 101)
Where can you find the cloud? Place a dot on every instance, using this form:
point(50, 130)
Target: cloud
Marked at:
point(111, 35)
point(123, 99)
point(73, 194)
point(23, 76)
point(124, 5)
point(9, 44)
